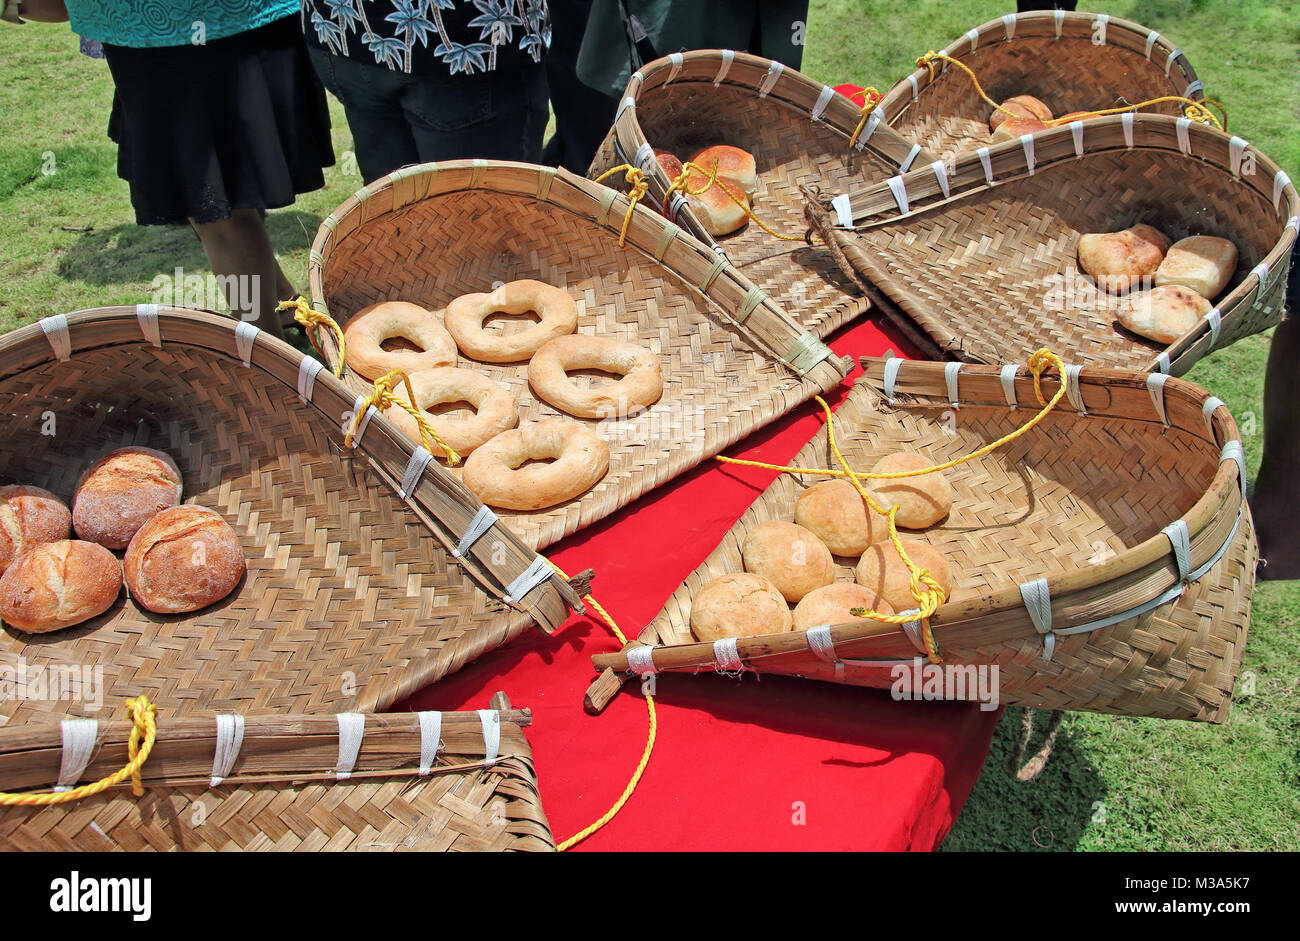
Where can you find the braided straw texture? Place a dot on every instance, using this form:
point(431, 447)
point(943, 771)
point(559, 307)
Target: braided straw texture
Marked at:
point(1070, 73)
point(351, 599)
point(281, 796)
point(1080, 500)
point(443, 232)
point(791, 149)
point(991, 272)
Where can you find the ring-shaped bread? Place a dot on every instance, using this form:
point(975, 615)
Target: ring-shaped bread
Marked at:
point(466, 314)
point(494, 407)
point(577, 458)
point(367, 331)
point(641, 384)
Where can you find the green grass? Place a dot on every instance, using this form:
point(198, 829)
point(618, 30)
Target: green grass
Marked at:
point(68, 241)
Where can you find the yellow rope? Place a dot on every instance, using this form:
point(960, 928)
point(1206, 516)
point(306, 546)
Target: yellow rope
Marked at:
point(635, 179)
point(871, 98)
point(1196, 110)
point(926, 590)
point(382, 397)
point(682, 182)
point(144, 731)
point(312, 321)
point(649, 744)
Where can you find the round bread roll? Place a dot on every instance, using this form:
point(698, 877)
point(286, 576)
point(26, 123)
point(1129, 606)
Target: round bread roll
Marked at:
point(669, 163)
point(835, 513)
point(1120, 260)
point(834, 604)
point(881, 571)
point(1020, 106)
point(734, 164)
point(183, 559)
point(738, 606)
point(1013, 128)
point(1200, 262)
point(718, 212)
point(59, 584)
point(121, 492)
point(1162, 314)
point(922, 501)
point(788, 556)
point(29, 516)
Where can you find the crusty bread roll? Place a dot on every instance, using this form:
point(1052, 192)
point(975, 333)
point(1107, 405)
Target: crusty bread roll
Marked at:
point(740, 605)
point(669, 163)
point(1020, 106)
point(1120, 260)
point(1200, 262)
point(183, 559)
point(835, 513)
point(734, 164)
point(881, 571)
point(121, 492)
point(834, 604)
point(59, 584)
point(717, 212)
point(1162, 314)
point(788, 556)
point(1013, 128)
point(923, 500)
point(29, 516)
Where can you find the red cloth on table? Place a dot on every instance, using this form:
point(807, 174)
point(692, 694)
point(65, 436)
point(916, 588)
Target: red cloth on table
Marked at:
point(754, 763)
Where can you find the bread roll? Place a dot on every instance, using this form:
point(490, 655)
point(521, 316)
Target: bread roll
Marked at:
point(59, 584)
point(1013, 128)
point(669, 163)
point(1200, 262)
point(1120, 260)
point(1020, 106)
point(834, 604)
point(881, 571)
point(183, 559)
point(739, 605)
point(1162, 314)
point(121, 492)
point(717, 212)
point(922, 501)
point(29, 516)
point(788, 556)
point(734, 164)
point(835, 513)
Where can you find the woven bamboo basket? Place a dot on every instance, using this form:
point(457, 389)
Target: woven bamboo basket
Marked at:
point(1071, 61)
point(983, 255)
point(292, 783)
point(798, 131)
point(732, 360)
point(352, 599)
point(1103, 561)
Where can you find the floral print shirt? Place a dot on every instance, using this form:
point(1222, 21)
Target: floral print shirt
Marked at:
point(420, 36)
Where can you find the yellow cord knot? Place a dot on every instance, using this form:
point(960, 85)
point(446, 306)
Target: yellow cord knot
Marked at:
point(871, 97)
point(312, 320)
point(383, 397)
point(927, 61)
point(638, 185)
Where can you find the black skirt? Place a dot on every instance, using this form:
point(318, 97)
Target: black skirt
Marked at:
point(237, 123)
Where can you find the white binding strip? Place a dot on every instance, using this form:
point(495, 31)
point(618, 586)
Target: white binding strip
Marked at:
point(899, 189)
point(913, 631)
point(638, 75)
point(1212, 404)
point(1058, 15)
point(820, 643)
point(1232, 451)
point(528, 579)
point(726, 658)
point(1156, 387)
point(491, 720)
point(675, 58)
point(1076, 131)
point(769, 80)
point(941, 174)
point(1293, 223)
point(55, 328)
point(987, 164)
point(1152, 37)
point(911, 80)
point(1162, 361)
point(641, 660)
point(873, 122)
point(628, 102)
point(674, 207)
point(230, 738)
point(1260, 271)
point(79, 738)
point(245, 336)
point(1194, 88)
point(1008, 376)
point(1027, 145)
point(1099, 28)
point(950, 371)
point(1038, 602)
point(480, 524)
point(843, 211)
point(420, 459)
point(1236, 150)
point(974, 36)
point(147, 314)
point(1215, 319)
point(308, 367)
point(910, 158)
point(1072, 390)
point(645, 155)
point(1009, 25)
point(1126, 119)
point(727, 56)
point(1181, 540)
point(823, 100)
point(430, 739)
point(1280, 182)
point(891, 376)
point(1169, 63)
point(1184, 140)
point(352, 729)
point(370, 411)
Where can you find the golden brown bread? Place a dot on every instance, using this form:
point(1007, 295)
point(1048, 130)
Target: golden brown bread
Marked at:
point(881, 571)
point(788, 556)
point(183, 559)
point(1162, 314)
point(739, 605)
point(121, 492)
point(59, 584)
point(1020, 106)
point(669, 163)
point(29, 516)
point(734, 164)
point(922, 500)
point(1200, 262)
point(1012, 128)
point(835, 513)
point(834, 604)
point(719, 213)
point(1121, 260)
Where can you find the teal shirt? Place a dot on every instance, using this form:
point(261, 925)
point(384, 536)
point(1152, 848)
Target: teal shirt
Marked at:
point(149, 23)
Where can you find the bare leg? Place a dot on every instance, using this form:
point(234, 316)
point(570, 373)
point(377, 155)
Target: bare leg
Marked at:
point(242, 259)
point(1276, 499)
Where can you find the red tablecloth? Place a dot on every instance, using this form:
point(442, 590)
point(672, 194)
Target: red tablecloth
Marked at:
point(755, 763)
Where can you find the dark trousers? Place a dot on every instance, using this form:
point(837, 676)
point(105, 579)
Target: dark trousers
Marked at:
point(399, 119)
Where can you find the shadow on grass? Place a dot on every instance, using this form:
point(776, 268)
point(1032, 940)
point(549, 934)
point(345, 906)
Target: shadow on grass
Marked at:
point(1049, 813)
